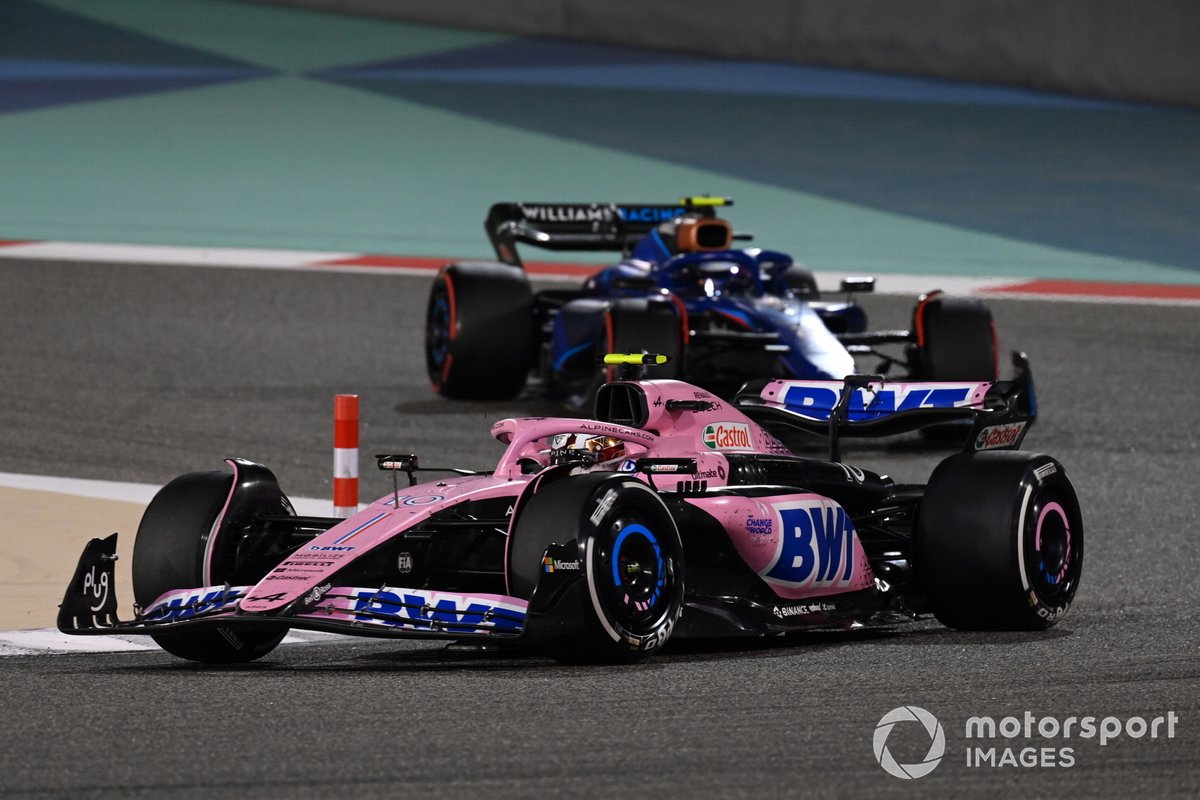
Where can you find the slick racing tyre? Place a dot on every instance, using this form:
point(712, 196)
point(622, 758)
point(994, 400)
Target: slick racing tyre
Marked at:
point(630, 559)
point(170, 551)
point(999, 541)
point(955, 340)
point(801, 282)
point(480, 331)
point(641, 325)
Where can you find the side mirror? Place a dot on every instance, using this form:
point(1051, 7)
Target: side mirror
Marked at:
point(406, 463)
point(852, 285)
point(402, 463)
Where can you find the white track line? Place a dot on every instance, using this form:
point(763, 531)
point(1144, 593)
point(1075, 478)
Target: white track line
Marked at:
point(162, 254)
point(46, 641)
point(141, 493)
point(49, 640)
point(998, 287)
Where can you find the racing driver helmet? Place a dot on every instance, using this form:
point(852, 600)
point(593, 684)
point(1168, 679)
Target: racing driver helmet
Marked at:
point(574, 448)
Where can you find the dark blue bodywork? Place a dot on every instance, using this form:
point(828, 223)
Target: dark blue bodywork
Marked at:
point(737, 291)
point(681, 288)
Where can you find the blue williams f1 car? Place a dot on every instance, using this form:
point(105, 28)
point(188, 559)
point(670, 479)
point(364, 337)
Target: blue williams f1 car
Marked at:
point(724, 315)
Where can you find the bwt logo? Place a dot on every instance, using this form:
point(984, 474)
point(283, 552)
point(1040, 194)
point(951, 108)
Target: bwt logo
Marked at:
point(816, 548)
point(431, 611)
point(937, 742)
point(818, 402)
point(189, 604)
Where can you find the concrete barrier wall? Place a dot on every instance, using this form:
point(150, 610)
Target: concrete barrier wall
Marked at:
point(1147, 50)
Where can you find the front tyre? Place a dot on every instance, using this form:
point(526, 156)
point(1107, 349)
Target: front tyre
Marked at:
point(630, 555)
point(171, 551)
point(801, 282)
point(999, 541)
point(955, 340)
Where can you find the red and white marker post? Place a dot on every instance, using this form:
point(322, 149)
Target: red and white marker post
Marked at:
point(345, 455)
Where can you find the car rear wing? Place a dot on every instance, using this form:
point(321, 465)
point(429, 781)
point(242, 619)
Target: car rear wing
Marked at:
point(861, 406)
point(591, 227)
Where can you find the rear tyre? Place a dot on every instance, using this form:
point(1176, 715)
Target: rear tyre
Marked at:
point(169, 553)
point(630, 555)
point(479, 331)
point(640, 325)
point(999, 541)
point(955, 340)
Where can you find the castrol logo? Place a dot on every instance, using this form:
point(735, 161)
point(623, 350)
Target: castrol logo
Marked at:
point(999, 436)
point(727, 436)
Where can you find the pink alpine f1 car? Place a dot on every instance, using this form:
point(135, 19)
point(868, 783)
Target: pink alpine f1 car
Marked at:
point(671, 513)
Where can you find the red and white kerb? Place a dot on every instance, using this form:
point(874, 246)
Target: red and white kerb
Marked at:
point(345, 455)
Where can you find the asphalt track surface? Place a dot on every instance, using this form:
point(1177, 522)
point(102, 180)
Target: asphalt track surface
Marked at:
point(140, 373)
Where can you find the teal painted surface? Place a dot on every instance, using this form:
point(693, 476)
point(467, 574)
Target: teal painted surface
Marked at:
point(287, 40)
point(293, 160)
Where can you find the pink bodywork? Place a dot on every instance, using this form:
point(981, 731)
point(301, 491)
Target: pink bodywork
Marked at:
point(755, 525)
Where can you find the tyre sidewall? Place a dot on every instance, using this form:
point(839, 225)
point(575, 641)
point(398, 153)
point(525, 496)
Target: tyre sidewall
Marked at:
point(957, 340)
point(631, 505)
point(169, 548)
point(1048, 498)
point(564, 513)
point(480, 338)
point(801, 282)
point(974, 543)
point(169, 554)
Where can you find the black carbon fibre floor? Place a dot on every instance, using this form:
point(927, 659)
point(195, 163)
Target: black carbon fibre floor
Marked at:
point(139, 373)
